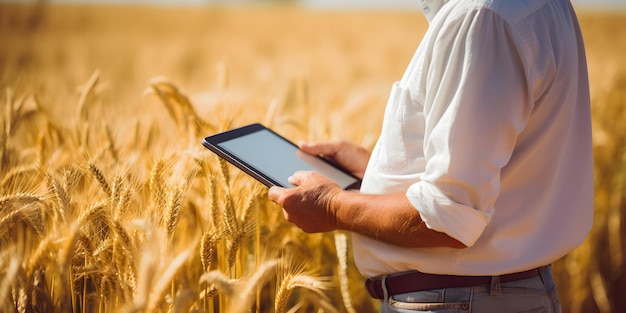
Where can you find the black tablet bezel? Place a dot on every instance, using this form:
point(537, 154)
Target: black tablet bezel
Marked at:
point(212, 143)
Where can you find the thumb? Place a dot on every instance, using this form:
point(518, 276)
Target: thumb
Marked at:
point(275, 192)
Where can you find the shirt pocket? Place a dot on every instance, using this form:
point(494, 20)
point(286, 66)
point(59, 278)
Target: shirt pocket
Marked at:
point(401, 143)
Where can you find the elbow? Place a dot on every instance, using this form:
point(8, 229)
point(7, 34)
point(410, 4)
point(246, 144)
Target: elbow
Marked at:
point(455, 244)
point(447, 241)
point(433, 239)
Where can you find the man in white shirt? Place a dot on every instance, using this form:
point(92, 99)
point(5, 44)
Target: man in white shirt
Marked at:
point(483, 172)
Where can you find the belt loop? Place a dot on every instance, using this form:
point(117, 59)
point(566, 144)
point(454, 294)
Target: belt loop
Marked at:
point(542, 272)
point(383, 285)
point(495, 289)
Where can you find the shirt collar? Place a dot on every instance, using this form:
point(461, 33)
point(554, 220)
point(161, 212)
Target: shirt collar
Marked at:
point(431, 7)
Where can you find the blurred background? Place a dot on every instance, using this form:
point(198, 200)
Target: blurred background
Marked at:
point(351, 4)
point(323, 67)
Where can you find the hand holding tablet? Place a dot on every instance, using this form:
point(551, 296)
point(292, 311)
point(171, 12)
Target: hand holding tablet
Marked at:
point(271, 158)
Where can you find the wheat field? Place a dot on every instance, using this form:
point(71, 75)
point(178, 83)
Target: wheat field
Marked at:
point(108, 202)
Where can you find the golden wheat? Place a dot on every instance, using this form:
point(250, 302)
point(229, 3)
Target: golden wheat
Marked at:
point(341, 245)
point(290, 281)
point(108, 202)
point(104, 184)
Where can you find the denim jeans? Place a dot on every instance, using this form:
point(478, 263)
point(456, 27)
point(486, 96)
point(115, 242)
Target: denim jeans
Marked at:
point(537, 294)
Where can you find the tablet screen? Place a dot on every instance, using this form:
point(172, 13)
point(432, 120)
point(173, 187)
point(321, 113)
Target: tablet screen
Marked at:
point(271, 155)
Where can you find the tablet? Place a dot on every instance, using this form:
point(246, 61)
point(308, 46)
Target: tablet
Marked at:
point(271, 158)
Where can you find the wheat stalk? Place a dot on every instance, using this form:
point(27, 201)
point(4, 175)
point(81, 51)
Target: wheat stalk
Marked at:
point(263, 274)
point(157, 183)
point(10, 274)
point(214, 207)
point(121, 235)
point(291, 281)
point(92, 212)
point(124, 257)
point(111, 143)
point(147, 270)
point(27, 211)
point(208, 245)
point(97, 174)
point(341, 245)
point(230, 215)
point(293, 276)
point(9, 114)
point(18, 199)
point(74, 179)
point(42, 251)
point(320, 303)
point(103, 248)
point(237, 238)
point(252, 198)
point(87, 90)
point(24, 170)
point(172, 211)
point(221, 282)
point(15, 114)
point(117, 188)
point(65, 270)
point(107, 282)
point(156, 294)
point(33, 217)
point(63, 200)
point(224, 170)
point(178, 106)
point(86, 243)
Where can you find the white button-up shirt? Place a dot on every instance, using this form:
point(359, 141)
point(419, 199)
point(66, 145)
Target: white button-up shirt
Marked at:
point(489, 135)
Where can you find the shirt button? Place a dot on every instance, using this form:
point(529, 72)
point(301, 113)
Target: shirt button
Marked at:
point(465, 306)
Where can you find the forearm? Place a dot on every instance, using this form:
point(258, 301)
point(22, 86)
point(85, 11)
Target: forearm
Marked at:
point(389, 218)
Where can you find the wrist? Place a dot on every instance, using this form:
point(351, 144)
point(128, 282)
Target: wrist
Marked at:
point(339, 209)
point(332, 207)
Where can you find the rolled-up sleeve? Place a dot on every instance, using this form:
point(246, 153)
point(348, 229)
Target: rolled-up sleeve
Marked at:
point(476, 102)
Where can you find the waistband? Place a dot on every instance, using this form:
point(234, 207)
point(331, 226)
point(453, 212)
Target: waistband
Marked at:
point(417, 281)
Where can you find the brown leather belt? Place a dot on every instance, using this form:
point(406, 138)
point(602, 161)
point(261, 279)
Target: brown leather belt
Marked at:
point(417, 281)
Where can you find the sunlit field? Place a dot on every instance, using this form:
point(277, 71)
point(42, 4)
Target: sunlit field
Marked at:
point(108, 202)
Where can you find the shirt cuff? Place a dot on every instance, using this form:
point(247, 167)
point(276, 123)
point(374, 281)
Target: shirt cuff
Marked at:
point(442, 214)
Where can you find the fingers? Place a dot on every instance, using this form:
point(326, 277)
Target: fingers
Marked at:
point(299, 178)
point(275, 193)
point(348, 155)
point(295, 179)
point(328, 148)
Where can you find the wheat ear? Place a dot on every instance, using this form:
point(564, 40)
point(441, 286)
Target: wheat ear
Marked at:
point(111, 143)
point(253, 197)
point(21, 198)
point(341, 245)
point(15, 172)
point(208, 244)
point(116, 199)
point(215, 210)
point(28, 211)
point(157, 183)
point(291, 281)
point(124, 257)
point(97, 173)
point(173, 209)
point(247, 295)
point(61, 196)
point(221, 282)
point(92, 212)
point(237, 238)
